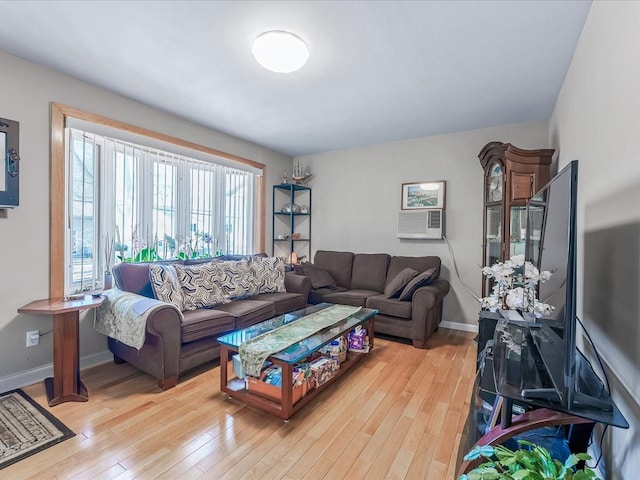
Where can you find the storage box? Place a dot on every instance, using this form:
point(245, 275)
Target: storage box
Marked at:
point(257, 386)
point(323, 369)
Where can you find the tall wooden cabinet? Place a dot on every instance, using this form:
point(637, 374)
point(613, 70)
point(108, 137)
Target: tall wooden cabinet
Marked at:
point(511, 177)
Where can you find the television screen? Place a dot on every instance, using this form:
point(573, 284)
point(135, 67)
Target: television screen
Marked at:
point(538, 362)
point(551, 244)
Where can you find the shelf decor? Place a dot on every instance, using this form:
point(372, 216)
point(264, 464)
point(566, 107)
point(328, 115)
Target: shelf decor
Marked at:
point(423, 195)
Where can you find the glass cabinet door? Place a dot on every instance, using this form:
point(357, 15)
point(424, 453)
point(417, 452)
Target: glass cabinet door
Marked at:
point(493, 241)
point(517, 230)
point(495, 184)
point(494, 235)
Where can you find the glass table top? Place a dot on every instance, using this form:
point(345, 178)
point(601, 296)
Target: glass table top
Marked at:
point(298, 351)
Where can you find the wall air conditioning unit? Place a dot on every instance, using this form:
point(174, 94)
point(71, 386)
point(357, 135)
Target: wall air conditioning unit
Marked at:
point(421, 224)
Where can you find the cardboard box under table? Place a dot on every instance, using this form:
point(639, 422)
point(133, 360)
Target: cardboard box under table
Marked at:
point(270, 382)
point(257, 386)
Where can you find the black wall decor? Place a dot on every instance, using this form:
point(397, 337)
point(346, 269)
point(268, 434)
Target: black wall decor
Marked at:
point(10, 164)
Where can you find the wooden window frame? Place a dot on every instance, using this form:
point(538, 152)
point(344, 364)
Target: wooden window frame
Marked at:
point(59, 115)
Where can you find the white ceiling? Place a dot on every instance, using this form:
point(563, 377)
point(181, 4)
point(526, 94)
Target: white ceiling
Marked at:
point(379, 71)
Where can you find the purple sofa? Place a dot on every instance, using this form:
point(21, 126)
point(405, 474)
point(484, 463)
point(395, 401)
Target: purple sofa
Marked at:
point(178, 342)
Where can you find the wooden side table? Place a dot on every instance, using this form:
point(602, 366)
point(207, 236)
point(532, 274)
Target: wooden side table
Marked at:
point(65, 386)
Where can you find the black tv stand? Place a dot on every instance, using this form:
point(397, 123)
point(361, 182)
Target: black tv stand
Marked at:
point(585, 401)
point(531, 370)
point(532, 408)
point(549, 392)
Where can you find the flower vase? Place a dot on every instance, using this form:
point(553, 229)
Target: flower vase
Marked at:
point(108, 281)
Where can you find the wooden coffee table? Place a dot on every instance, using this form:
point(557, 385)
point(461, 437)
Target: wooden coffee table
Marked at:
point(285, 407)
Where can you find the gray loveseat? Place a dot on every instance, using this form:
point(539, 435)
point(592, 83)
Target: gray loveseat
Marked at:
point(178, 341)
point(368, 280)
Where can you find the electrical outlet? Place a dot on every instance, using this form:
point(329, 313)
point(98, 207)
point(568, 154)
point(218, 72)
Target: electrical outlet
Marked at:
point(33, 338)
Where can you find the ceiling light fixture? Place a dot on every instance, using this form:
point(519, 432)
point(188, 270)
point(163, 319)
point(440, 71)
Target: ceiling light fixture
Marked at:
point(280, 52)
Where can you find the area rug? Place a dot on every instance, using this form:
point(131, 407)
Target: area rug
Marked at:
point(26, 428)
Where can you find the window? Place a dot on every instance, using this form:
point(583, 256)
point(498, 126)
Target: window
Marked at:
point(132, 203)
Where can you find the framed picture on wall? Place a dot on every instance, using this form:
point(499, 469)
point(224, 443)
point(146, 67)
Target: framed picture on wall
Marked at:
point(423, 195)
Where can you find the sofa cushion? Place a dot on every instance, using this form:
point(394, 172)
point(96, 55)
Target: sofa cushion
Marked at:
point(203, 323)
point(425, 278)
point(395, 286)
point(283, 302)
point(357, 298)
point(317, 296)
point(165, 284)
point(369, 271)
point(390, 306)
point(338, 264)
point(320, 278)
point(248, 312)
point(200, 285)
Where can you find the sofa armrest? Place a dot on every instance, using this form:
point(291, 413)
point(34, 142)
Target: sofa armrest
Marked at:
point(165, 321)
point(295, 283)
point(160, 353)
point(430, 295)
point(426, 310)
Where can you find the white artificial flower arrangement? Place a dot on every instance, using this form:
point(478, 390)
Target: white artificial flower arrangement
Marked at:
point(515, 287)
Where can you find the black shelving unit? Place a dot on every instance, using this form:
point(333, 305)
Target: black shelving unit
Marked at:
point(287, 223)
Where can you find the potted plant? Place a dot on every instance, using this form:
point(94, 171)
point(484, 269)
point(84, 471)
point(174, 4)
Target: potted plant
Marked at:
point(532, 463)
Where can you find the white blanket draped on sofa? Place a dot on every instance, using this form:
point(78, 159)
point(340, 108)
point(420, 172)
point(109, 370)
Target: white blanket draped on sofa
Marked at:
point(123, 316)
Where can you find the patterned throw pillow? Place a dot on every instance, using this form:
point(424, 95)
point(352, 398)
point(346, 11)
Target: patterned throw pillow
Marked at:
point(268, 274)
point(201, 285)
point(165, 285)
point(236, 279)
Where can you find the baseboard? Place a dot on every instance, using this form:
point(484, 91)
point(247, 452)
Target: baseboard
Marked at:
point(37, 374)
point(465, 327)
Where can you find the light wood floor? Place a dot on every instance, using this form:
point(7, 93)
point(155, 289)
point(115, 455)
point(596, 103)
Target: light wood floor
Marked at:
point(398, 414)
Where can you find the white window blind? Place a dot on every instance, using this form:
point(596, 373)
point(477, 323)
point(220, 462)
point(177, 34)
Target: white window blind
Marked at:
point(150, 205)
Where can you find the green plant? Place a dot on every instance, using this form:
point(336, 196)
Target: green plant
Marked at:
point(146, 255)
point(533, 463)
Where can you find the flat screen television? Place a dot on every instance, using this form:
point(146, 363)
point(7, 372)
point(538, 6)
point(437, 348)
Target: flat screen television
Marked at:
point(538, 360)
point(551, 245)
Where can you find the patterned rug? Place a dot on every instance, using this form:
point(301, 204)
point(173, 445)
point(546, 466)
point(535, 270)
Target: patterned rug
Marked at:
point(26, 428)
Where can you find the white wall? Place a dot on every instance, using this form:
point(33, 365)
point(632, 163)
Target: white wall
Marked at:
point(356, 199)
point(26, 91)
point(596, 121)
